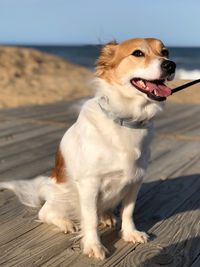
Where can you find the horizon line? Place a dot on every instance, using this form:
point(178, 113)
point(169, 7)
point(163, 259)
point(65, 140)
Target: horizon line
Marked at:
point(80, 44)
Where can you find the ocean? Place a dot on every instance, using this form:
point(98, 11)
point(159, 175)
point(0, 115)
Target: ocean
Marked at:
point(186, 58)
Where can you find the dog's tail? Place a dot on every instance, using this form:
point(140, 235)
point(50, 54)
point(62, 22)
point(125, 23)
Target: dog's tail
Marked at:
point(30, 192)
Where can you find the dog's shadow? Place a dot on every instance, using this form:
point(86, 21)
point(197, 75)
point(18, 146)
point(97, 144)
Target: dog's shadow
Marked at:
point(158, 202)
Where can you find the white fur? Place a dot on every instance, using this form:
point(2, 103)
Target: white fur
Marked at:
point(105, 165)
point(151, 72)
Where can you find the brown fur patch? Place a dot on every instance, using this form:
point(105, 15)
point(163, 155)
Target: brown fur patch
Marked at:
point(59, 171)
point(106, 58)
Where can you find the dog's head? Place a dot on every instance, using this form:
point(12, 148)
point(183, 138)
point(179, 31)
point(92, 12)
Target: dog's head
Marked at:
point(137, 67)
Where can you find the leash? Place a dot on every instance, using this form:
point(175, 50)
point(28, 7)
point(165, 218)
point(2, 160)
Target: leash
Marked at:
point(179, 88)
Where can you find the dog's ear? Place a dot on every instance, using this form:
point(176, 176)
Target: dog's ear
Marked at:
point(106, 58)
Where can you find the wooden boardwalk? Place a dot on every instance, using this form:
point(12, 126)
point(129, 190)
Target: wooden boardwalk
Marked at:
point(168, 206)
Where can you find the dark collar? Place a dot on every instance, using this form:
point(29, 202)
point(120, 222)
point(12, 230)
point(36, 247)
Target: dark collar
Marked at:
point(126, 122)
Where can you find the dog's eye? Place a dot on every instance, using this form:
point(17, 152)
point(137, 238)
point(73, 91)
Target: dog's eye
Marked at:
point(165, 53)
point(138, 53)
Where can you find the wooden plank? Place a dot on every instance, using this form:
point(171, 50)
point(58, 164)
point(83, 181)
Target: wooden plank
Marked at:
point(30, 169)
point(33, 247)
point(17, 221)
point(193, 130)
point(26, 157)
point(35, 109)
point(15, 218)
point(69, 110)
point(185, 150)
point(38, 111)
point(11, 138)
point(175, 171)
point(196, 262)
point(25, 242)
point(163, 145)
point(34, 142)
point(145, 194)
point(17, 241)
point(50, 116)
point(184, 126)
point(175, 242)
point(179, 121)
point(18, 129)
point(37, 131)
point(8, 123)
point(175, 197)
point(169, 110)
point(171, 162)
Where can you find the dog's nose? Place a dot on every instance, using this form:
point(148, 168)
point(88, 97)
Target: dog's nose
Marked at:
point(168, 66)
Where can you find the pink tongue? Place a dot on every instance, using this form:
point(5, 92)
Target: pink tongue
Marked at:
point(159, 89)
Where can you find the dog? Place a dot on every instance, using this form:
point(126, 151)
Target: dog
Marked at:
point(103, 156)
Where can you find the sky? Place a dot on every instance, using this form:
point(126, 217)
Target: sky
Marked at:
point(175, 22)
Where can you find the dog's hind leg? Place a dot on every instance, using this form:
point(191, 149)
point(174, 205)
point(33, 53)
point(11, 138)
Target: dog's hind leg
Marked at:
point(56, 214)
point(108, 219)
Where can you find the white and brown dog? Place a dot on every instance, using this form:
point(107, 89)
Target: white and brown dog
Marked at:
point(102, 158)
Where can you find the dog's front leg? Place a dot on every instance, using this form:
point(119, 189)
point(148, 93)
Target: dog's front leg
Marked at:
point(89, 221)
point(129, 231)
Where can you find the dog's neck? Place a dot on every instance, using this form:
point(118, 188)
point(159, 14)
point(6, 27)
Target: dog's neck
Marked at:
point(125, 122)
point(135, 107)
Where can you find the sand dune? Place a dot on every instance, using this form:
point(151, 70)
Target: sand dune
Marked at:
point(28, 77)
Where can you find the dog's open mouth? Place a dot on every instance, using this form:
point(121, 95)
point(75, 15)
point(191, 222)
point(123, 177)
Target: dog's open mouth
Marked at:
point(156, 90)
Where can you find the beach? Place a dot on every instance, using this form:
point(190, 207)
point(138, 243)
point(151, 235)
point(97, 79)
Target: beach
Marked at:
point(31, 77)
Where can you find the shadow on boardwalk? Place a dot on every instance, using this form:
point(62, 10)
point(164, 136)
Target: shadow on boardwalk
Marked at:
point(170, 213)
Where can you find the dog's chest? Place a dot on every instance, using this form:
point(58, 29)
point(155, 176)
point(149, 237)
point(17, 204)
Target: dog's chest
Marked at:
point(125, 163)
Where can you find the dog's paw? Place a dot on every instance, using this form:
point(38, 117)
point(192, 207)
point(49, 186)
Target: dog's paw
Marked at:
point(97, 251)
point(135, 237)
point(108, 219)
point(66, 226)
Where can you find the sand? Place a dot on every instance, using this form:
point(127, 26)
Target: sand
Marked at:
point(190, 95)
point(31, 77)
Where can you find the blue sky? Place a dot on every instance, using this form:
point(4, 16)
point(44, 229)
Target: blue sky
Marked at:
point(176, 22)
